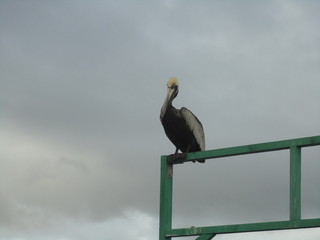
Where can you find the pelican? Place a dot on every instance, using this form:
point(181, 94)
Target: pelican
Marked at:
point(181, 126)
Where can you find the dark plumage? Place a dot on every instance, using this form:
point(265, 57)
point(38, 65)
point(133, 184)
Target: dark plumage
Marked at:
point(181, 126)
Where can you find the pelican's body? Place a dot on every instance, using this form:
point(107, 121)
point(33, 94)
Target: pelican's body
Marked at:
point(181, 126)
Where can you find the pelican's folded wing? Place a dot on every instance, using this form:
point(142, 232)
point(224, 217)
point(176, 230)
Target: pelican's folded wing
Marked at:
point(195, 126)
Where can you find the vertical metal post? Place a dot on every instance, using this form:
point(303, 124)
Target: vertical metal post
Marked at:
point(165, 198)
point(295, 183)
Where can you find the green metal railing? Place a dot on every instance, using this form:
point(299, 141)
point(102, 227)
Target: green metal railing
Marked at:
point(206, 233)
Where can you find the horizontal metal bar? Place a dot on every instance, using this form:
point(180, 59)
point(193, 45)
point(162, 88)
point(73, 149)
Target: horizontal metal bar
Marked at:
point(250, 227)
point(254, 148)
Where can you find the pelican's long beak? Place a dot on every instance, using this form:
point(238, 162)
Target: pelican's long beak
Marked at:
point(167, 101)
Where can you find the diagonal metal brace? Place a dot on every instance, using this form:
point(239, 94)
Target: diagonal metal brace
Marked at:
point(206, 237)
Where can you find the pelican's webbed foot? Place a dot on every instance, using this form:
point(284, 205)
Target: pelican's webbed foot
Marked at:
point(177, 158)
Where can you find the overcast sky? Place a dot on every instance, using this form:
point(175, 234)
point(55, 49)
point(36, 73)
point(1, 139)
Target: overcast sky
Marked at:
point(82, 84)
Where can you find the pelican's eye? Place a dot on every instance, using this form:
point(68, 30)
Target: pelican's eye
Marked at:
point(173, 86)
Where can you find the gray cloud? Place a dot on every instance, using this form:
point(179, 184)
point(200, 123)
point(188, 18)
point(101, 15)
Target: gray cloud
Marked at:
point(81, 90)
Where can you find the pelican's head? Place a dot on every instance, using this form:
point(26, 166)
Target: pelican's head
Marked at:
point(172, 82)
point(173, 88)
point(172, 92)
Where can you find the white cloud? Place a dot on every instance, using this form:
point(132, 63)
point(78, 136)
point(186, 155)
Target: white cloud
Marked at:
point(131, 224)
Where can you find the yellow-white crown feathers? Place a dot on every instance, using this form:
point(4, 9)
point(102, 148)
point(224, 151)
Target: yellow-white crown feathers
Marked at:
point(172, 82)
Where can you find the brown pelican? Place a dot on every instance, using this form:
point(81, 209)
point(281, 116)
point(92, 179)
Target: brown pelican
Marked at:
point(182, 127)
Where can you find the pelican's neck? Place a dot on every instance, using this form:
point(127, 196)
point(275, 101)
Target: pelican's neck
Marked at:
point(166, 105)
point(171, 94)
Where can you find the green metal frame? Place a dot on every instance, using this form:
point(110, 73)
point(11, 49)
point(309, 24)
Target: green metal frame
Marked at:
point(205, 233)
